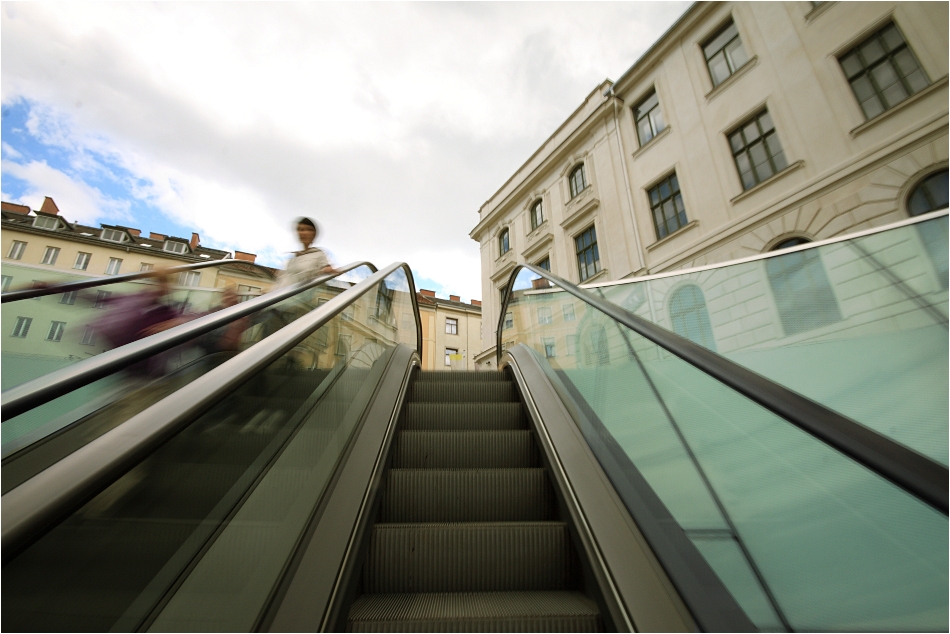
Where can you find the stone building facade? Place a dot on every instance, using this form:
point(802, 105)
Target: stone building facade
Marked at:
point(746, 127)
point(451, 331)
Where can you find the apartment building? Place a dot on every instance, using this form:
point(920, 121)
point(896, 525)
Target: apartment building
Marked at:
point(747, 127)
point(451, 331)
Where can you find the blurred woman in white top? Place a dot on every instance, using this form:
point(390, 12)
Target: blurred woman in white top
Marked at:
point(307, 263)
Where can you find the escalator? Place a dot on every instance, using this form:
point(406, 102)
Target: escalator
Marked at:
point(628, 479)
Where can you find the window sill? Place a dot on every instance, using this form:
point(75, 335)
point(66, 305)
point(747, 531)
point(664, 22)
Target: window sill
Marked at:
point(733, 78)
point(768, 181)
point(580, 211)
point(689, 225)
point(870, 123)
point(643, 148)
point(595, 276)
point(821, 8)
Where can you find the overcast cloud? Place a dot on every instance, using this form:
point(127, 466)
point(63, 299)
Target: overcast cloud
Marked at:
point(388, 123)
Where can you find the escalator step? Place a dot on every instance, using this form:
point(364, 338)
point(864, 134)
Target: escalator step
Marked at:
point(468, 495)
point(475, 612)
point(460, 416)
point(465, 450)
point(476, 557)
point(462, 376)
point(471, 392)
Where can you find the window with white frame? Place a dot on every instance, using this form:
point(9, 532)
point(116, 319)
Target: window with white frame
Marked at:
point(56, 329)
point(568, 311)
point(451, 326)
point(577, 180)
point(114, 265)
point(544, 315)
point(114, 235)
point(6, 282)
point(89, 336)
point(173, 246)
point(45, 222)
point(537, 214)
point(449, 354)
point(101, 297)
point(549, 347)
point(69, 298)
point(16, 250)
point(190, 278)
point(82, 261)
point(509, 321)
point(22, 327)
point(50, 255)
point(146, 266)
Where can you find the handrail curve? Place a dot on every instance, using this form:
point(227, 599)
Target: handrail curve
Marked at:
point(23, 397)
point(925, 479)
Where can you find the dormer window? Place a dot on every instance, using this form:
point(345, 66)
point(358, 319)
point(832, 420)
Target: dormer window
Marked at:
point(114, 235)
point(175, 247)
point(45, 222)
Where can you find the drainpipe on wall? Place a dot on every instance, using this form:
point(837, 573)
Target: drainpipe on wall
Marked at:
point(626, 179)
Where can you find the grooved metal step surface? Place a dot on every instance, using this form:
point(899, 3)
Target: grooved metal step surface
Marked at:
point(467, 392)
point(463, 416)
point(469, 557)
point(467, 495)
point(475, 612)
point(465, 449)
point(462, 376)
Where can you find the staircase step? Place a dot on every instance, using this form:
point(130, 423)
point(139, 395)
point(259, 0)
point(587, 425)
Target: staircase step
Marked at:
point(460, 376)
point(474, 557)
point(463, 416)
point(465, 450)
point(468, 392)
point(475, 612)
point(468, 495)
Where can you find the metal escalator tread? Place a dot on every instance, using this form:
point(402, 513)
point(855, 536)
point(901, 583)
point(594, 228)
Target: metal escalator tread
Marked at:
point(475, 612)
point(468, 537)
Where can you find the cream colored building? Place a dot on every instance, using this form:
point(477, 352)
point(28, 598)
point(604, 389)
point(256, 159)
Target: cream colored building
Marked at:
point(451, 331)
point(744, 127)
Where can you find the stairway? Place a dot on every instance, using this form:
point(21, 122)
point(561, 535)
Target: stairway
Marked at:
point(468, 536)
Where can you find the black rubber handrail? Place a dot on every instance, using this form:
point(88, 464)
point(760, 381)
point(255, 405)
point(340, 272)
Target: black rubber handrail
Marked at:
point(35, 506)
point(26, 396)
point(917, 474)
point(30, 293)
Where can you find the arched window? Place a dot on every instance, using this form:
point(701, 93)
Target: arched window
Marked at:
point(578, 180)
point(537, 214)
point(690, 317)
point(802, 292)
point(929, 195)
point(503, 244)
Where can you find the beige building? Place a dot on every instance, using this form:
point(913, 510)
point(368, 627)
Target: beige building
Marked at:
point(746, 127)
point(451, 331)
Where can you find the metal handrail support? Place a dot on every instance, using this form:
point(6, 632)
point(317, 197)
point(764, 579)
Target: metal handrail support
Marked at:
point(26, 396)
point(32, 508)
point(30, 293)
point(917, 474)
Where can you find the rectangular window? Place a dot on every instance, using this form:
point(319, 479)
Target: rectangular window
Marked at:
point(756, 149)
point(588, 256)
point(190, 278)
point(146, 267)
point(82, 261)
point(101, 297)
point(649, 119)
point(545, 264)
point(509, 321)
point(666, 201)
point(16, 250)
point(69, 298)
point(113, 235)
point(22, 326)
point(176, 247)
point(50, 255)
point(114, 265)
point(6, 282)
point(451, 326)
point(568, 310)
point(883, 71)
point(724, 54)
point(89, 336)
point(572, 345)
point(246, 292)
point(449, 353)
point(56, 329)
point(44, 222)
point(549, 349)
point(544, 315)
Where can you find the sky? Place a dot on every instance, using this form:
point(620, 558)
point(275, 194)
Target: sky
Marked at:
point(390, 124)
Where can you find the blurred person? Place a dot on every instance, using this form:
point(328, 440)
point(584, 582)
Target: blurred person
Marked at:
point(307, 263)
point(227, 338)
